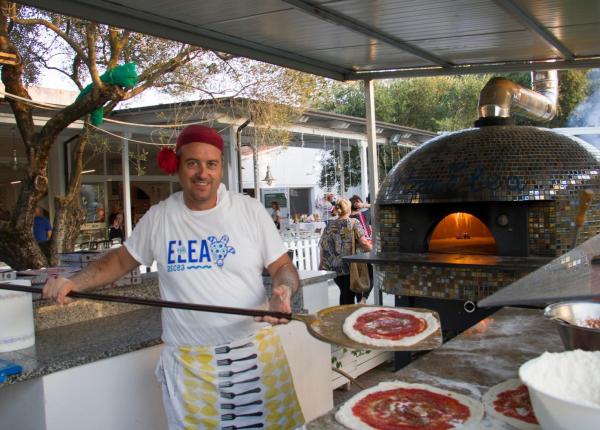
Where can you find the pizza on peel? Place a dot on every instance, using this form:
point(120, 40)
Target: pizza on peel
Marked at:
point(389, 327)
point(397, 405)
point(509, 402)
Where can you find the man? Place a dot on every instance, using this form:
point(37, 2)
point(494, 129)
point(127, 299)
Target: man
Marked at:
point(211, 246)
point(42, 229)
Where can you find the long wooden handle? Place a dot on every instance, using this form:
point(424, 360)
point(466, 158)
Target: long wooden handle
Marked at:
point(156, 303)
point(585, 197)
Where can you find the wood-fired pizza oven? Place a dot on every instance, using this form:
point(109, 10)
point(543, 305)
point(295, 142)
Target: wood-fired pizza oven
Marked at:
point(471, 211)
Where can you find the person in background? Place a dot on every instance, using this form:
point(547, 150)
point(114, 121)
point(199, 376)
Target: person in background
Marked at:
point(326, 205)
point(276, 214)
point(361, 212)
point(332, 200)
point(211, 246)
point(336, 242)
point(42, 229)
point(116, 227)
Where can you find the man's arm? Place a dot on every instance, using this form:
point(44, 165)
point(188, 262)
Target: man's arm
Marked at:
point(109, 268)
point(283, 272)
point(285, 285)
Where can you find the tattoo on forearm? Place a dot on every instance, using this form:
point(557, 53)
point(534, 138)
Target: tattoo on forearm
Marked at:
point(97, 273)
point(288, 275)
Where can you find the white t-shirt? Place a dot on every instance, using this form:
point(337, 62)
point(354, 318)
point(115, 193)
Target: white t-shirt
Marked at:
point(212, 257)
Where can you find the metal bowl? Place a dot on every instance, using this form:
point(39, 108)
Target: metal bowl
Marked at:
point(569, 318)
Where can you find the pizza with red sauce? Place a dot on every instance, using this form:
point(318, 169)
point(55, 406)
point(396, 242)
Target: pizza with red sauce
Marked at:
point(509, 402)
point(389, 327)
point(401, 406)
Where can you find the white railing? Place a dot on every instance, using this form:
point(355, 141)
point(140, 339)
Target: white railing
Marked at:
point(306, 252)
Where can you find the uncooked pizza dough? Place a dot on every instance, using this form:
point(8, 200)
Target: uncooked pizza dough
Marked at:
point(397, 405)
point(389, 327)
point(509, 402)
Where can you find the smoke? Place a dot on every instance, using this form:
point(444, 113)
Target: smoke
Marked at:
point(587, 113)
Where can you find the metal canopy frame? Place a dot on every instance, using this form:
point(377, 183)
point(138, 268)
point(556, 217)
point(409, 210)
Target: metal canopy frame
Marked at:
point(369, 39)
point(376, 25)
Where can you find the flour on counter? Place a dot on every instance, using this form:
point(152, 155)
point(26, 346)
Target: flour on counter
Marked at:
point(570, 375)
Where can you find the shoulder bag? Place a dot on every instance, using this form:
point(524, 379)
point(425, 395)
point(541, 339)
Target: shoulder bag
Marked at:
point(359, 272)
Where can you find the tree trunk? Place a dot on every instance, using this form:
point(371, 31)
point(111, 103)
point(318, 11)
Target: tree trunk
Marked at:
point(69, 214)
point(19, 249)
point(68, 217)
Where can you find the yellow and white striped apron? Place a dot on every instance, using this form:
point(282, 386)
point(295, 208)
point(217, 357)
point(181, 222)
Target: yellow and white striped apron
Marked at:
point(245, 384)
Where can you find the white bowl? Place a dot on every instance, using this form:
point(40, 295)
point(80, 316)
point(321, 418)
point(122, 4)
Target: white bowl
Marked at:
point(552, 411)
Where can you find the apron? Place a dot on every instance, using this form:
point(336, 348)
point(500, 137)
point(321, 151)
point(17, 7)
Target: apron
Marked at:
point(244, 384)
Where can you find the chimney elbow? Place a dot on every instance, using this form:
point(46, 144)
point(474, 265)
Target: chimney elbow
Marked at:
point(500, 96)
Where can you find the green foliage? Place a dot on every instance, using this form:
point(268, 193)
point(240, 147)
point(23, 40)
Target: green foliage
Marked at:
point(444, 103)
point(436, 104)
point(573, 89)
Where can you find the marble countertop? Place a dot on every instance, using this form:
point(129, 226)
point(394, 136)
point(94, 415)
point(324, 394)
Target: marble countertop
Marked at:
point(49, 315)
point(85, 342)
point(86, 331)
point(488, 353)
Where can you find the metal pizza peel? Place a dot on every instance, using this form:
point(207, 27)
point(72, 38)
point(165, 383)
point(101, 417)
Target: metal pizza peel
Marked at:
point(325, 325)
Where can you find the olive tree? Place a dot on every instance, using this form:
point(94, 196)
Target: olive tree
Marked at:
point(84, 51)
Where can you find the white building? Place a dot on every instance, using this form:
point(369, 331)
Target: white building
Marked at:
point(125, 176)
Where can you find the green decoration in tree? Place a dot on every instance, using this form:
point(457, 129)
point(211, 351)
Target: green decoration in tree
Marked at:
point(123, 75)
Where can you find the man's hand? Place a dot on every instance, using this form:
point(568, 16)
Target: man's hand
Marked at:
point(57, 289)
point(280, 302)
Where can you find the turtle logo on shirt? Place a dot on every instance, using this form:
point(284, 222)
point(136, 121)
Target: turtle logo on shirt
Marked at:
point(219, 248)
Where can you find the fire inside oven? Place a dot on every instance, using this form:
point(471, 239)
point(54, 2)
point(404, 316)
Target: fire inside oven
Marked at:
point(462, 233)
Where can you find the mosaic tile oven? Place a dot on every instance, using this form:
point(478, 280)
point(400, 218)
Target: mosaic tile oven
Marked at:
point(522, 182)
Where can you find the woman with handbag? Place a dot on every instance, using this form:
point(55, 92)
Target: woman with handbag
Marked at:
point(362, 212)
point(342, 237)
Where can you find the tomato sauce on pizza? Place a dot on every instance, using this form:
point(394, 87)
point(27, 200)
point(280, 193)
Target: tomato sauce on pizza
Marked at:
point(516, 404)
point(389, 324)
point(410, 409)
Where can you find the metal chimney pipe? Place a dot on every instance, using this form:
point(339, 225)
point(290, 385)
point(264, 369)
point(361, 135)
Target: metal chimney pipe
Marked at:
point(500, 95)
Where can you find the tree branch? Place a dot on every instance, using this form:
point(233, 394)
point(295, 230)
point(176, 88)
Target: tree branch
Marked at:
point(51, 26)
point(75, 72)
point(74, 111)
point(224, 56)
point(12, 77)
point(91, 37)
point(117, 44)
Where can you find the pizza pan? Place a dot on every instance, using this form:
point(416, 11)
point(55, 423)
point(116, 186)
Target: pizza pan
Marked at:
point(326, 325)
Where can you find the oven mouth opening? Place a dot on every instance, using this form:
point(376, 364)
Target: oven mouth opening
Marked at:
point(462, 233)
